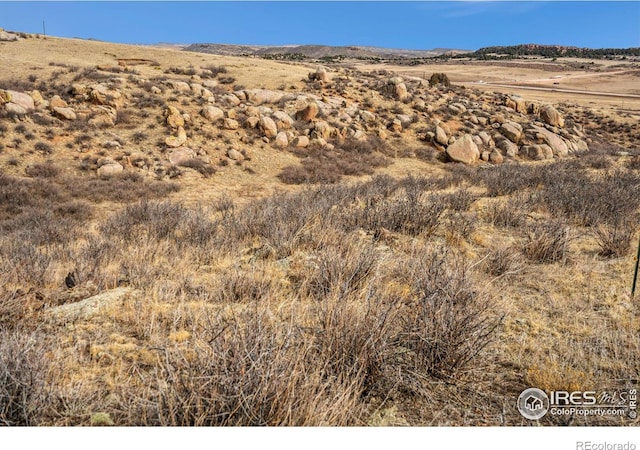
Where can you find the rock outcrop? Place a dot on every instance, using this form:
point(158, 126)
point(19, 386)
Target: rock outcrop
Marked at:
point(464, 150)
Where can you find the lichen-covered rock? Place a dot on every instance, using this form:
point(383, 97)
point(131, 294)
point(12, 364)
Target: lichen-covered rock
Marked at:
point(22, 100)
point(177, 141)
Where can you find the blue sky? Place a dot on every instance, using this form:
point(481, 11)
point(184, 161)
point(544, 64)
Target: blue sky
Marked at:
point(413, 25)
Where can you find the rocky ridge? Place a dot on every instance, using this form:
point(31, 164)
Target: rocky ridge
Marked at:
point(462, 125)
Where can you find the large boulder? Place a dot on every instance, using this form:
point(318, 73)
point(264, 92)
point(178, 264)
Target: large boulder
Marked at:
point(230, 124)
point(537, 152)
point(512, 131)
point(300, 142)
point(367, 116)
point(551, 116)
point(57, 102)
point(22, 100)
point(8, 37)
point(400, 92)
point(174, 118)
point(102, 116)
point(487, 141)
point(212, 113)
point(308, 113)
point(251, 122)
point(39, 100)
point(177, 141)
point(268, 127)
point(262, 96)
point(509, 148)
point(90, 307)
point(281, 141)
point(555, 142)
point(496, 157)
point(230, 99)
point(179, 86)
point(441, 136)
point(65, 113)
point(235, 155)
point(457, 108)
point(283, 120)
point(110, 169)
point(516, 103)
point(319, 75)
point(322, 130)
point(181, 155)
point(464, 150)
point(101, 94)
point(15, 109)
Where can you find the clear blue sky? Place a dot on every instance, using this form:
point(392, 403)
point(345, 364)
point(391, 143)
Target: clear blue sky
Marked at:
point(413, 25)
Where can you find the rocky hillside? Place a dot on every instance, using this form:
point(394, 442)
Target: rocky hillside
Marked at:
point(118, 120)
point(317, 51)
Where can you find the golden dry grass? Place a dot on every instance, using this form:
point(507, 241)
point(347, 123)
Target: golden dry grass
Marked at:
point(259, 303)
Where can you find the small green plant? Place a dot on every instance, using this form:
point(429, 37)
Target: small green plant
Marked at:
point(101, 419)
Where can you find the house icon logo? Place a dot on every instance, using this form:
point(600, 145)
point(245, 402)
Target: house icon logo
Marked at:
point(533, 403)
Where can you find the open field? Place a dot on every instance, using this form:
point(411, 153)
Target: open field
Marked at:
point(607, 77)
point(190, 239)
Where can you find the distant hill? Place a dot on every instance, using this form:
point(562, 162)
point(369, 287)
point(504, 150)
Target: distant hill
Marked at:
point(302, 52)
point(550, 51)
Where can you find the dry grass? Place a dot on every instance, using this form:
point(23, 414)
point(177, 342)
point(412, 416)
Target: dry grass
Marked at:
point(361, 299)
point(299, 309)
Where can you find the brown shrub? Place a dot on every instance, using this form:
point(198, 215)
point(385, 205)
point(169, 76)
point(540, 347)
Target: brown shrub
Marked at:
point(353, 157)
point(125, 187)
point(250, 372)
point(503, 261)
point(511, 213)
point(46, 170)
point(200, 166)
point(615, 238)
point(449, 322)
point(24, 396)
point(547, 242)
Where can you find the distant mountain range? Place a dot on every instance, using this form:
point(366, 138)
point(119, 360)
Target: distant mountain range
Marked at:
point(293, 52)
point(336, 53)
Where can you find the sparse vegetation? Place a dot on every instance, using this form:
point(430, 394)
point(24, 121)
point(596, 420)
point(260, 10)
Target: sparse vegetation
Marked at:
point(312, 286)
point(439, 78)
